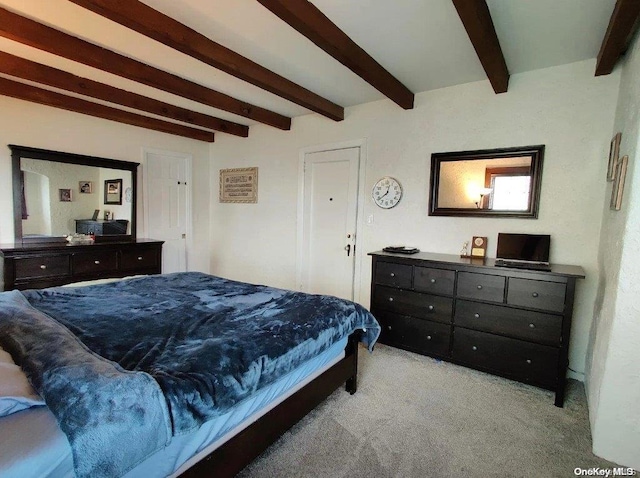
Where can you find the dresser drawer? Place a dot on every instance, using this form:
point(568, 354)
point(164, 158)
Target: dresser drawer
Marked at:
point(415, 304)
point(434, 281)
point(95, 261)
point(536, 294)
point(417, 335)
point(514, 358)
point(521, 324)
point(394, 275)
point(141, 258)
point(481, 286)
point(44, 266)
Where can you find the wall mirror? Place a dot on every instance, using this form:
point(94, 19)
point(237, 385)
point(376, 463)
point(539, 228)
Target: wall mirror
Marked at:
point(487, 183)
point(56, 194)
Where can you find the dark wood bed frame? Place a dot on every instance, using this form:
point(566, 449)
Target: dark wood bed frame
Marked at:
point(242, 449)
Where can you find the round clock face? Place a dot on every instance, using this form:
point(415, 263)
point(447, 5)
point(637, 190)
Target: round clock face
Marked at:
point(387, 192)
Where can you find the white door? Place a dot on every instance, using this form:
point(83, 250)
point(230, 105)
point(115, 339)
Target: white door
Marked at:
point(329, 222)
point(167, 207)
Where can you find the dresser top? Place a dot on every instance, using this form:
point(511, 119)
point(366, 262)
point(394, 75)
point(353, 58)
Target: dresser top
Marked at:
point(63, 245)
point(487, 263)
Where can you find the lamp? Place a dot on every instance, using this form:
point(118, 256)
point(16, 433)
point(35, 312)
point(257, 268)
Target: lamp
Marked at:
point(483, 192)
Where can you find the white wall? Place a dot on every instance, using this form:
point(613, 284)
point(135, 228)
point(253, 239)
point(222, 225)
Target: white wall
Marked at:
point(613, 379)
point(28, 124)
point(566, 108)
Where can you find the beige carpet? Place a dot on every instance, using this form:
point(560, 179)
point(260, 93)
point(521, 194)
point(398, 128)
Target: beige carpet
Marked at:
point(414, 416)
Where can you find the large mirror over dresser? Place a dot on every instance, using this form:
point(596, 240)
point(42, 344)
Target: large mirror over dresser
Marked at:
point(74, 220)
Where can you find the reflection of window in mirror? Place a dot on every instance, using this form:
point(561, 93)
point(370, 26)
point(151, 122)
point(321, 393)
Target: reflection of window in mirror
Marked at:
point(509, 186)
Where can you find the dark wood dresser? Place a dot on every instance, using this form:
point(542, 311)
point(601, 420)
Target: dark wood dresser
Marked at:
point(35, 266)
point(505, 321)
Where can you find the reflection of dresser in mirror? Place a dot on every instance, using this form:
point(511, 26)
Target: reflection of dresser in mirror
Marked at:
point(101, 227)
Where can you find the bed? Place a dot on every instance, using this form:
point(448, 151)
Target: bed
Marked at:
point(180, 374)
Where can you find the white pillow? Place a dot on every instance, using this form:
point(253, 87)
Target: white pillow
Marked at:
point(16, 393)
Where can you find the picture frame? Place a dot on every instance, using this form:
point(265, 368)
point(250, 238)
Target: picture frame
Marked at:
point(113, 191)
point(65, 195)
point(96, 212)
point(85, 187)
point(239, 185)
point(614, 152)
point(618, 184)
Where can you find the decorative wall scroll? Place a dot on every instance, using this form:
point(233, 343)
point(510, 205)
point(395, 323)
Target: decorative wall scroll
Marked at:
point(239, 185)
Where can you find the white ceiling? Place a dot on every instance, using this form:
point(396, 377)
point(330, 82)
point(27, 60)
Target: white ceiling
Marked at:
point(421, 42)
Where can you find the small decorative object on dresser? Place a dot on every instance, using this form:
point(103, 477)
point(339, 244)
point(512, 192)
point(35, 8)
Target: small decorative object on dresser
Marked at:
point(478, 246)
point(506, 321)
point(386, 192)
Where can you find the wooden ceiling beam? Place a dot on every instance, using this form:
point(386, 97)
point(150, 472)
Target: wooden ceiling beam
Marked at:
point(143, 19)
point(476, 19)
point(27, 31)
point(308, 20)
point(34, 94)
point(622, 26)
point(29, 70)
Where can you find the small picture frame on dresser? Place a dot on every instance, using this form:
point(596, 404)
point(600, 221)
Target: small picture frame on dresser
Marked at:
point(96, 212)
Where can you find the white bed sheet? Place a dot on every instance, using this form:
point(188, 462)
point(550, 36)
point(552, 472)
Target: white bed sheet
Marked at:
point(33, 446)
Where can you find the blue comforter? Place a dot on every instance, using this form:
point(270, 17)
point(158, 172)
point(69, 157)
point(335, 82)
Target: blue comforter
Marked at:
point(164, 352)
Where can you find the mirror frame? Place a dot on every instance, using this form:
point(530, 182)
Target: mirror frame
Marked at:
point(535, 152)
point(19, 152)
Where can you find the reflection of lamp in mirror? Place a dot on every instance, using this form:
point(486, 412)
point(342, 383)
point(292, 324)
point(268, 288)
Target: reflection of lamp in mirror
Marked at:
point(483, 192)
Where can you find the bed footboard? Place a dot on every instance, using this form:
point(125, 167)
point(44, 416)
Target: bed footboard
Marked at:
point(242, 449)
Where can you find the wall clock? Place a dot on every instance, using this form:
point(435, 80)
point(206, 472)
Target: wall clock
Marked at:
point(387, 192)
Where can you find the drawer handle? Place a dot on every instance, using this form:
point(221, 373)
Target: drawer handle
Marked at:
point(430, 307)
point(529, 361)
point(474, 348)
point(477, 316)
point(393, 274)
point(535, 294)
point(433, 281)
point(43, 267)
point(390, 299)
point(139, 258)
point(428, 337)
point(532, 326)
point(479, 287)
point(96, 262)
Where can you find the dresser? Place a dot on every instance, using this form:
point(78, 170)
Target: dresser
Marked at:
point(101, 227)
point(509, 322)
point(35, 266)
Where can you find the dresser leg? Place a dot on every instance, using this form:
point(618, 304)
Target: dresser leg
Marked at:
point(560, 395)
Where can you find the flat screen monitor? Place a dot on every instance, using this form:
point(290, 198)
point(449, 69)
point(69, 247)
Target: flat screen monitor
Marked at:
point(524, 247)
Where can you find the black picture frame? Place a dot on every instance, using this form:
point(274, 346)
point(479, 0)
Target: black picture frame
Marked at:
point(113, 191)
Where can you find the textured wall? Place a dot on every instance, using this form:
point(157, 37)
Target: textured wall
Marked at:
point(613, 379)
point(566, 108)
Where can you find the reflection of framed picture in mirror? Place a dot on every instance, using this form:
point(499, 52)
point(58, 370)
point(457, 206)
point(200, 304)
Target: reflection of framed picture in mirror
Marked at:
point(65, 195)
point(614, 151)
point(113, 191)
point(618, 183)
